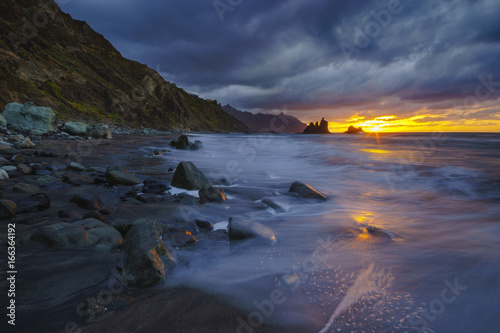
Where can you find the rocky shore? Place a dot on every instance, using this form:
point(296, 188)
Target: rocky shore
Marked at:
point(97, 227)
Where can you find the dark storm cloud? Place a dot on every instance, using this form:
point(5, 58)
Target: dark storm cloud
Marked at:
point(309, 55)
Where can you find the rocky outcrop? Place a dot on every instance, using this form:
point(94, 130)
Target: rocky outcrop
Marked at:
point(265, 122)
point(28, 117)
point(63, 64)
point(321, 128)
point(148, 259)
point(239, 229)
point(189, 177)
point(306, 191)
point(354, 130)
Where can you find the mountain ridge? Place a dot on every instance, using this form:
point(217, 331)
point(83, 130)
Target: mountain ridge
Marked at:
point(53, 60)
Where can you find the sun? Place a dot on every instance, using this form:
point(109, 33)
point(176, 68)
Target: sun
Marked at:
point(375, 129)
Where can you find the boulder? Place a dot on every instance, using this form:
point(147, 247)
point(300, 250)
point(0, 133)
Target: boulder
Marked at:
point(24, 169)
point(9, 168)
point(306, 191)
point(32, 203)
point(26, 143)
point(182, 142)
point(197, 145)
point(99, 132)
point(89, 232)
point(204, 225)
point(46, 180)
point(94, 214)
point(148, 260)
point(6, 149)
point(3, 122)
point(76, 166)
point(211, 194)
point(75, 128)
point(88, 201)
point(148, 197)
point(124, 225)
point(28, 117)
point(180, 237)
point(153, 186)
point(25, 188)
point(239, 229)
point(77, 179)
point(118, 175)
point(4, 174)
point(18, 158)
point(7, 209)
point(189, 177)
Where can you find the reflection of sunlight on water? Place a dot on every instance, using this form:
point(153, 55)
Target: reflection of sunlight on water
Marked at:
point(376, 151)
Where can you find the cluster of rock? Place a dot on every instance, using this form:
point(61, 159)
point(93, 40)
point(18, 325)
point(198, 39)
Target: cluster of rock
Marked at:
point(354, 130)
point(183, 143)
point(317, 128)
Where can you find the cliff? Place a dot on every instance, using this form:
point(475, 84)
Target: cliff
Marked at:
point(51, 59)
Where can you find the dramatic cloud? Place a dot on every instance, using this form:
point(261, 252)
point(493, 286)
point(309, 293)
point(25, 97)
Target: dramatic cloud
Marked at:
point(316, 57)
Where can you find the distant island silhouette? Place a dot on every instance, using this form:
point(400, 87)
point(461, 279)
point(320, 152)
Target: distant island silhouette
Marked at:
point(318, 128)
point(354, 130)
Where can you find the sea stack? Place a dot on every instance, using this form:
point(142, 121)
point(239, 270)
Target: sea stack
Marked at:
point(321, 128)
point(354, 130)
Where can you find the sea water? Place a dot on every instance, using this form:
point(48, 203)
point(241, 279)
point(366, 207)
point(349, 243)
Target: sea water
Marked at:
point(433, 264)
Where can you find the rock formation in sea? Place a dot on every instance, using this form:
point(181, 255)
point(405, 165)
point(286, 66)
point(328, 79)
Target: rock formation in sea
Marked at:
point(266, 122)
point(318, 128)
point(354, 130)
point(55, 61)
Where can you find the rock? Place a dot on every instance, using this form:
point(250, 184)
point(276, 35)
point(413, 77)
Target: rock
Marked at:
point(3, 122)
point(189, 177)
point(7, 209)
point(6, 149)
point(4, 174)
point(124, 225)
point(211, 194)
point(9, 168)
point(321, 128)
point(186, 199)
point(77, 180)
point(306, 191)
point(277, 208)
point(24, 169)
point(107, 210)
point(88, 201)
point(99, 132)
point(354, 130)
point(153, 186)
point(180, 237)
point(239, 229)
point(32, 203)
point(3, 161)
point(148, 197)
point(204, 225)
point(89, 232)
point(46, 180)
point(25, 188)
point(148, 260)
point(94, 214)
point(182, 142)
point(76, 166)
point(27, 117)
point(18, 158)
point(197, 145)
point(75, 128)
point(117, 175)
point(171, 169)
point(96, 169)
point(26, 143)
point(48, 154)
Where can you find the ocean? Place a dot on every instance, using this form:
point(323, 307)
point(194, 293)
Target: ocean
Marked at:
point(408, 241)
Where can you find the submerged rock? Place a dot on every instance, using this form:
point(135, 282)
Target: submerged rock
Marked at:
point(277, 208)
point(239, 229)
point(211, 194)
point(197, 145)
point(148, 259)
point(306, 191)
point(7, 209)
point(28, 117)
point(189, 177)
point(204, 225)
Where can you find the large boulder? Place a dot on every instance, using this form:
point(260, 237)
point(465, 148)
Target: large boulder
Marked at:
point(306, 191)
point(189, 177)
point(182, 142)
point(211, 194)
point(148, 259)
point(89, 232)
point(239, 229)
point(75, 128)
point(99, 132)
point(119, 175)
point(7, 209)
point(28, 117)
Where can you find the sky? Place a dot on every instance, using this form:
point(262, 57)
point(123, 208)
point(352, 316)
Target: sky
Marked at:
point(386, 65)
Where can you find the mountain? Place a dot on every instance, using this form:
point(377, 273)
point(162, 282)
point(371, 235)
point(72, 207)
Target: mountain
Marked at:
point(51, 59)
point(265, 122)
